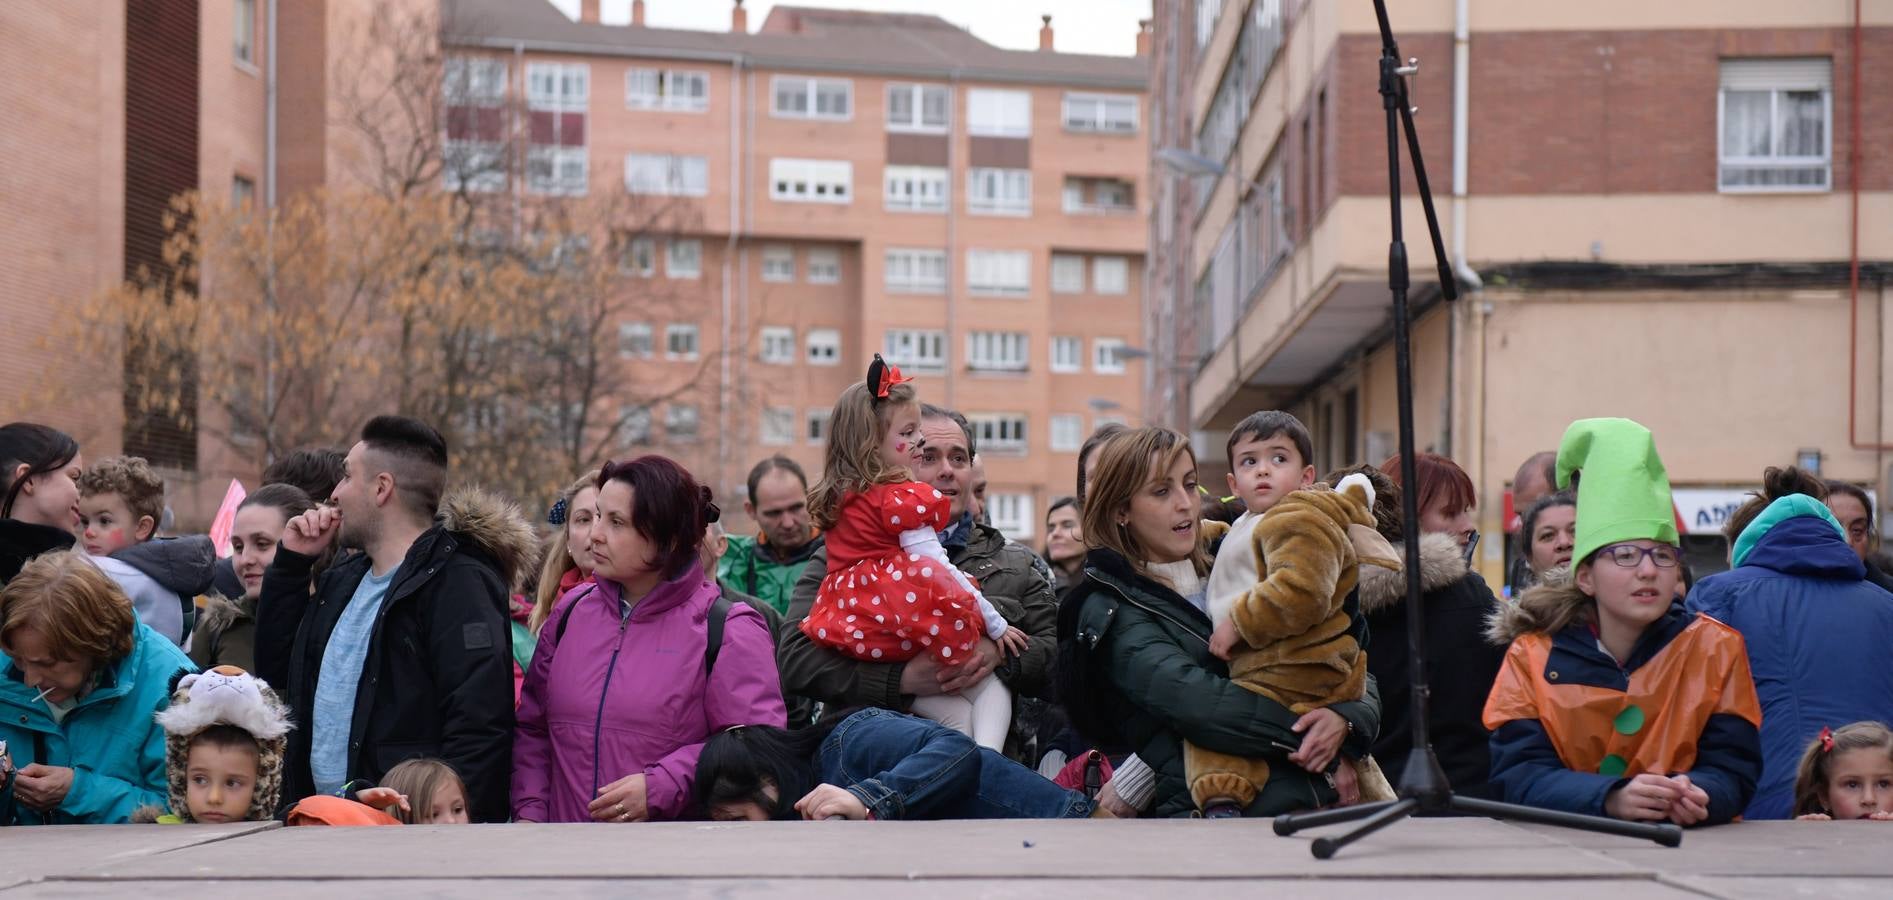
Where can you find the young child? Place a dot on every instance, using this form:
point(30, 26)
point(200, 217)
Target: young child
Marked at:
point(1613, 699)
point(1847, 773)
point(890, 593)
point(120, 502)
point(225, 734)
point(425, 792)
point(1279, 596)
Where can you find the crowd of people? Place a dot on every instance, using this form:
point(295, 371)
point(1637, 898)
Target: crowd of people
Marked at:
point(378, 646)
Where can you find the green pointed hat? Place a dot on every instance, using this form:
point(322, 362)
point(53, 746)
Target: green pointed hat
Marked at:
point(1624, 494)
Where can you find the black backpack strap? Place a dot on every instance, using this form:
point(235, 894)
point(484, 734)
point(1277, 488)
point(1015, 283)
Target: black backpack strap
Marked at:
point(719, 613)
point(558, 631)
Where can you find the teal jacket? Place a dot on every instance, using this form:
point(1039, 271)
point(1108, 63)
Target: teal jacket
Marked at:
point(749, 567)
point(110, 740)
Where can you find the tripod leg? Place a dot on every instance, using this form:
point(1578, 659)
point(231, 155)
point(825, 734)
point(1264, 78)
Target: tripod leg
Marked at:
point(1324, 847)
point(1289, 823)
point(1666, 833)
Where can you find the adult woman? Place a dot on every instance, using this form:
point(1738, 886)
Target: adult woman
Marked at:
point(1134, 663)
point(39, 493)
point(1457, 603)
point(622, 694)
point(83, 678)
point(873, 763)
point(1854, 509)
point(1816, 629)
point(1546, 533)
point(227, 634)
point(1064, 543)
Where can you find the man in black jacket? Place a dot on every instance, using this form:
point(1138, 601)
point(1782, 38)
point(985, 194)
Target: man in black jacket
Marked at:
point(403, 650)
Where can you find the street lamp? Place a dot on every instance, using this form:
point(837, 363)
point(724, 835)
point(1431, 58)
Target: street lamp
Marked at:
point(1183, 162)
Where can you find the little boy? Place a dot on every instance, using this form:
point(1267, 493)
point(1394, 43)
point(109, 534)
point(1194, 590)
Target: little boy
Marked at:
point(120, 502)
point(225, 734)
point(1279, 597)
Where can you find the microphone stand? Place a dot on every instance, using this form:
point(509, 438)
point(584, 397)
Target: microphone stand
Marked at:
point(1423, 787)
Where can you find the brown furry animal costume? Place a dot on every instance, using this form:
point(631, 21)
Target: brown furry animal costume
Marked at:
point(1300, 562)
point(226, 695)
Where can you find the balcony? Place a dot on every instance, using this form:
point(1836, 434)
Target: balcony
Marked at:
point(1100, 197)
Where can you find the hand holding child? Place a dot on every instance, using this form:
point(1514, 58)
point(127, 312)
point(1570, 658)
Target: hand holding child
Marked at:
point(1321, 731)
point(1223, 641)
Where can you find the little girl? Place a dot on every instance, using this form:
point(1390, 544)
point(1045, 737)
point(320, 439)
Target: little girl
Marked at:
point(427, 792)
point(1847, 774)
point(890, 593)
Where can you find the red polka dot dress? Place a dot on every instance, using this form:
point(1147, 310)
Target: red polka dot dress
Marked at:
point(881, 602)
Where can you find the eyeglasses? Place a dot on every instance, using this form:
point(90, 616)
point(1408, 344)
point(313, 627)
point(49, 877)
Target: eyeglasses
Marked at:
point(1630, 556)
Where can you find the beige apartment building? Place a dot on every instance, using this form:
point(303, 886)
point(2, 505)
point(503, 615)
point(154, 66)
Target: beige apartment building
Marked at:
point(1679, 212)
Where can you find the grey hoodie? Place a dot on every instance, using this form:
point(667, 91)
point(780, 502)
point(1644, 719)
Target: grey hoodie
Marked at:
point(163, 579)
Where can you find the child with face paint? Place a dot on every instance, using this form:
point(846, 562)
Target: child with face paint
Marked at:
point(890, 594)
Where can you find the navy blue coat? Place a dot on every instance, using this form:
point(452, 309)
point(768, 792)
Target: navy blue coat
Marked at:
point(1817, 634)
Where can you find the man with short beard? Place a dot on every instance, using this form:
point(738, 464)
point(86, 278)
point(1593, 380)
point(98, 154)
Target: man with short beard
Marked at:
point(1007, 573)
point(767, 565)
point(402, 648)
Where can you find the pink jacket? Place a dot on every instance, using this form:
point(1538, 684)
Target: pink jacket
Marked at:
point(610, 696)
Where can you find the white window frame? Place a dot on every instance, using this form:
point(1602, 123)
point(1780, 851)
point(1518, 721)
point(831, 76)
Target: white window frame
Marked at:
point(1116, 284)
point(1067, 432)
point(998, 351)
point(666, 99)
point(636, 249)
point(916, 189)
point(991, 112)
point(473, 82)
point(636, 340)
point(999, 192)
point(824, 265)
point(998, 273)
point(778, 263)
point(1085, 112)
point(567, 168)
point(1107, 356)
point(675, 334)
point(1074, 362)
point(824, 347)
point(675, 421)
point(684, 175)
point(815, 424)
point(1002, 434)
point(690, 267)
point(811, 88)
point(916, 349)
point(778, 428)
point(243, 33)
point(917, 123)
point(1011, 514)
point(778, 345)
point(1795, 76)
point(811, 180)
point(1068, 273)
point(913, 260)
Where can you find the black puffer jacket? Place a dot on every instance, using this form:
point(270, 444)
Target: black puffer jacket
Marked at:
point(21, 541)
point(1461, 664)
point(438, 678)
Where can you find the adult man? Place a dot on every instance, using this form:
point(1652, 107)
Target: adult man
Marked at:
point(977, 503)
point(403, 650)
point(1005, 572)
point(767, 565)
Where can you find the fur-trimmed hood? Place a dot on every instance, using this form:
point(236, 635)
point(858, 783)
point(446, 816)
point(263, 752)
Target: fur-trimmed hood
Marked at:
point(496, 527)
point(1551, 607)
point(1442, 563)
point(220, 612)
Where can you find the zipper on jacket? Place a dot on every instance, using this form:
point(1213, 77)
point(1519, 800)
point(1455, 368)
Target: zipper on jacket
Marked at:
point(598, 723)
point(1155, 612)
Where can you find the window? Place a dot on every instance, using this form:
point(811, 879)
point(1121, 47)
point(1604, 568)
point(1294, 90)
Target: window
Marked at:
point(1068, 354)
point(992, 113)
point(1011, 514)
point(474, 100)
point(1107, 356)
point(916, 350)
point(684, 259)
point(916, 271)
point(1113, 113)
point(556, 98)
point(244, 30)
point(778, 345)
point(778, 425)
point(1005, 192)
point(1003, 273)
point(680, 421)
point(1101, 196)
point(671, 89)
point(1776, 117)
point(917, 107)
point(680, 342)
point(634, 425)
point(915, 189)
point(639, 257)
point(1111, 275)
point(824, 347)
point(1001, 434)
point(996, 351)
point(824, 265)
point(812, 98)
point(242, 192)
point(1068, 432)
point(634, 340)
point(1068, 274)
point(666, 174)
point(811, 180)
point(778, 263)
point(818, 424)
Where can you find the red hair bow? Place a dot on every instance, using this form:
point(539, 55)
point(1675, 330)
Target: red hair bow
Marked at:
point(883, 377)
point(1827, 739)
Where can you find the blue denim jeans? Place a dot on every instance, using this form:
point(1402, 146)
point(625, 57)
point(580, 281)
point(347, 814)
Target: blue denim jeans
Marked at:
point(903, 767)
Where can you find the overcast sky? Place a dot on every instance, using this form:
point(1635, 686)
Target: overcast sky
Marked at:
point(1082, 26)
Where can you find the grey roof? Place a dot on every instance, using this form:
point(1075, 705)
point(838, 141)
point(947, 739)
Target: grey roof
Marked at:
point(800, 38)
